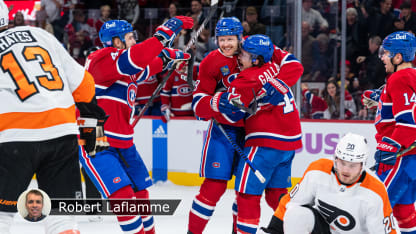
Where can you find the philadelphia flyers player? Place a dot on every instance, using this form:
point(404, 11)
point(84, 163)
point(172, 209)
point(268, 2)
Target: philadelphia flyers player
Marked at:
point(40, 87)
point(396, 128)
point(119, 172)
point(336, 196)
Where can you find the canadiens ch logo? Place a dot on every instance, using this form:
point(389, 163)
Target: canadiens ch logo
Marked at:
point(335, 216)
point(225, 70)
point(184, 90)
point(116, 180)
point(216, 164)
point(131, 94)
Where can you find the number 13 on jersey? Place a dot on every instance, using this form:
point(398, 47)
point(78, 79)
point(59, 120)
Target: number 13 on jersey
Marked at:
point(25, 88)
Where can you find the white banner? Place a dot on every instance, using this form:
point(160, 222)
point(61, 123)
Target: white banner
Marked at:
point(185, 139)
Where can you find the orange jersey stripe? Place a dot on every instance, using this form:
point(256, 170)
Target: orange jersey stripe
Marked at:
point(37, 120)
point(86, 90)
point(373, 184)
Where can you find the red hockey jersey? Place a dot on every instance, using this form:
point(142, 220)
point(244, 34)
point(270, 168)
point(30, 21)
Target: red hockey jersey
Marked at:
point(394, 113)
point(277, 127)
point(116, 73)
point(214, 71)
point(177, 94)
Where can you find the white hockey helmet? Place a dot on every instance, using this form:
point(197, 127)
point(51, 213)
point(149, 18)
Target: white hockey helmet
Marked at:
point(352, 148)
point(4, 14)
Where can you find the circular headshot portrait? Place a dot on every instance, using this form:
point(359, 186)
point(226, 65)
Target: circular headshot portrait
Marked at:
point(34, 205)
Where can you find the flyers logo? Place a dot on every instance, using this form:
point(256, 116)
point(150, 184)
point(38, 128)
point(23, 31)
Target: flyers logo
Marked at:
point(333, 215)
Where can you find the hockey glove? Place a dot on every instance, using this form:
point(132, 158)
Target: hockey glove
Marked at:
point(225, 103)
point(385, 155)
point(92, 135)
point(273, 92)
point(172, 57)
point(167, 32)
point(370, 98)
point(166, 113)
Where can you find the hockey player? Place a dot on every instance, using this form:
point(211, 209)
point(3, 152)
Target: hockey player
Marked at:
point(396, 129)
point(336, 196)
point(40, 85)
point(217, 154)
point(119, 172)
point(273, 133)
point(176, 95)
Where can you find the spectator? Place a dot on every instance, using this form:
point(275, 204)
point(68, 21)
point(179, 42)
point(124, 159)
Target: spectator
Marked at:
point(251, 25)
point(313, 17)
point(196, 13)
point(331, 95)
point(308, 51)
point(128, 10)
point(78, 24)
point(380, 23)
point(41, 22)
point(105, 12)
point(172, 11)
point(408, 17)
point(19, 19)
point(323, 64)
point(79, 45)
point(374, 72)
point(356, 35)
point(273, 15)
point(53, 10)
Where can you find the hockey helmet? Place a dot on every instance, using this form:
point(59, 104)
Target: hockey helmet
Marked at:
point(259, 45)
point(114, 28)
point(229, 26)
point(399, 42)
point(352, 148)
point(4, 14)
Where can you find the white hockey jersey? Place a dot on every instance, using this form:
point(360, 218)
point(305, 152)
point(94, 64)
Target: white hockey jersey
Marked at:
point(39, 82)
point(361, 208)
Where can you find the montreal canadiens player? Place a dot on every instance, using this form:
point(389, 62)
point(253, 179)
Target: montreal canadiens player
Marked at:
point(217, 154)
point(273, 133)
point(396, 129)
point(119, 172)
point(336, 196)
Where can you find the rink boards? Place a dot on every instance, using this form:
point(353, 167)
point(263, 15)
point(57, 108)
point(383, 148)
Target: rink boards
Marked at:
point(173, 151)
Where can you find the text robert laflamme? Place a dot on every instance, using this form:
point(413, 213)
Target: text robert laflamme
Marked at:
point(113, 207)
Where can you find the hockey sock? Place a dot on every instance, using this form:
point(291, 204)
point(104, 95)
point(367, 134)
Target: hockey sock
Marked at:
point(406, 218)
point(129, 224)
point(61, 225)
point(6, 220)
point(204, 204)
point(248, 213)
point(273, 196)
point(235, 211)
point(148, 221)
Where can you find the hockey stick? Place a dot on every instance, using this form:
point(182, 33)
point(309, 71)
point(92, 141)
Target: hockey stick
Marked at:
point(212, 10)
point(240, 152)
point(400, 154)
